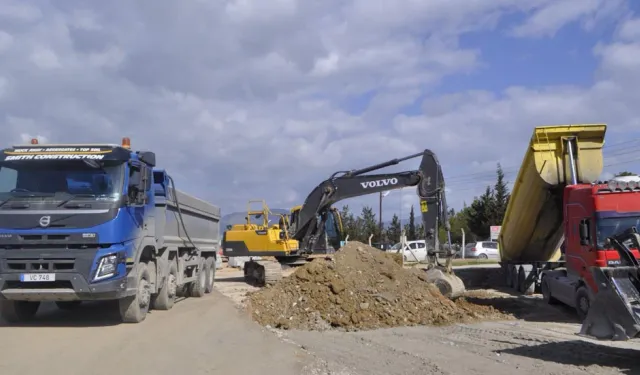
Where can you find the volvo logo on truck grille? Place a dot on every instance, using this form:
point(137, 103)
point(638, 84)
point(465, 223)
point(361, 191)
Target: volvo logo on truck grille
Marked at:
point(45, 221)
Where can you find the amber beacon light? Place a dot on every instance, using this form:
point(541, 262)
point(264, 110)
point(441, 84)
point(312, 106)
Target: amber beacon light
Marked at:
point(126, 142)
point(34, 141)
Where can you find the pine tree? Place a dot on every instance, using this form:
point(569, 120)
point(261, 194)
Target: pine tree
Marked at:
point(349, 223)
point(500, 197)
point(369, 224)
point(480, 214)
point(411, 232)
point(393, 231)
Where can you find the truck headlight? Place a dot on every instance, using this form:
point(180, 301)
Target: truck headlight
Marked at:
point(107, 267)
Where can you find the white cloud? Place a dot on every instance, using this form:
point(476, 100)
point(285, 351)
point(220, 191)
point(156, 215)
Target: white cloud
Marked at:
point(246, 99)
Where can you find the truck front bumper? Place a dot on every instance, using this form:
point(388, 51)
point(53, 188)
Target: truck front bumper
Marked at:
point(67, 287)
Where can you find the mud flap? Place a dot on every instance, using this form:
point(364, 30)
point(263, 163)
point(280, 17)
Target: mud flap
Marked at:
point(450, 285)
point(615, 312)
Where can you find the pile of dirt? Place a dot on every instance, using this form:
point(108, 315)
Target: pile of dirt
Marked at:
point(362, 288)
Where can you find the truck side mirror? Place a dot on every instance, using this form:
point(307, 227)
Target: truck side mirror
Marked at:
point(137, 184)
point(585, 239)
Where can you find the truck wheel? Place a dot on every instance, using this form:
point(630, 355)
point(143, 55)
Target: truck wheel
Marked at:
point(514, 278)
point(508, 270)
point(210, 267)
point(18, 311)
point(166, 297)
point(197, 288)
point(68, 305)
point(546, 292)
point(525, 286)
point(582, 303)
point(134, 309)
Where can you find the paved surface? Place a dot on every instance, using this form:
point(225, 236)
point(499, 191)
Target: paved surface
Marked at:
point(198, 336)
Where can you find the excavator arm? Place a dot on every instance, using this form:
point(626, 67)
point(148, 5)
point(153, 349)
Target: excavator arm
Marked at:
point(429, 181)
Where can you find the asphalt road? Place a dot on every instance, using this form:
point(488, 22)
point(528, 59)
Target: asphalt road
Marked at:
point(198, 336)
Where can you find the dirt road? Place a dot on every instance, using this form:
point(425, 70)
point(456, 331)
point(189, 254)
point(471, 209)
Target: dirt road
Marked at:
point(542, 340)
point(198, 336)
point(212, 335)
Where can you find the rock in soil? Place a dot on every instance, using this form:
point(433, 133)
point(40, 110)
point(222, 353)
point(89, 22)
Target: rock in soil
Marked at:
point(361, 288)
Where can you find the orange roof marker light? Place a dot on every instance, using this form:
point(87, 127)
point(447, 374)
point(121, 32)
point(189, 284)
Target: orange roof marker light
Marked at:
point(126, 142)
point(34, 141)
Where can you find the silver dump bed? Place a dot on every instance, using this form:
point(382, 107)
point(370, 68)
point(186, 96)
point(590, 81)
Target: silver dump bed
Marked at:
point(201, 219)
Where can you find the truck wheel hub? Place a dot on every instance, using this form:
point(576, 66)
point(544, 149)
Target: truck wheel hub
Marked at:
point(144, 295)
point(172, 285)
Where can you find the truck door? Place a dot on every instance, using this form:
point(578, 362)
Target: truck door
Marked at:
point(579, 257)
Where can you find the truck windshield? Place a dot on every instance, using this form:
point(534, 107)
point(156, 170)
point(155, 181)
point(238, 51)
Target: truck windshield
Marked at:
point(26, 179)
point(608, 227)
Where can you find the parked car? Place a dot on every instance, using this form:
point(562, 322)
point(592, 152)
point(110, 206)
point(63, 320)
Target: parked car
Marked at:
point(414, 251)
point(482, 250)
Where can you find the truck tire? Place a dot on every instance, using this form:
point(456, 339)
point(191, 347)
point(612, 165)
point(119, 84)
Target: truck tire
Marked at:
point(508, 271)
point(582, 303)
point(210, 267)
point(134, 309)
point(546, 292)
point(166, 297)
point(197, 288)
point(514, 278)
point(18, 311)
point(525, 286)
point(68, 305)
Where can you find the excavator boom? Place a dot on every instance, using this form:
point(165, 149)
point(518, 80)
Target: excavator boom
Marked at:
point(429, 182)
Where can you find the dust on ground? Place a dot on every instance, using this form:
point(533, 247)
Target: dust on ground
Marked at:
point(360, 288)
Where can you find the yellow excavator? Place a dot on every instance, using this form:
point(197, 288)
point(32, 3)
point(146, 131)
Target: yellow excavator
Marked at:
point(274, 240)
point(316, 226)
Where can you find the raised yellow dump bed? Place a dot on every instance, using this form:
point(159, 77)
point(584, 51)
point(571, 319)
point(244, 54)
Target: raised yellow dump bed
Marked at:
point(532, 229)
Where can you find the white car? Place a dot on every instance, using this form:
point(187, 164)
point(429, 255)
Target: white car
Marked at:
point(481, 250)
point(414, 251)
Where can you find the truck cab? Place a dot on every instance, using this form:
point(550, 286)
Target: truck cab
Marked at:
point(593, 213)
point(90, 222)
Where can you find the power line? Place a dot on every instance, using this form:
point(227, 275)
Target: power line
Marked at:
point(467, 187)
point(514, 168)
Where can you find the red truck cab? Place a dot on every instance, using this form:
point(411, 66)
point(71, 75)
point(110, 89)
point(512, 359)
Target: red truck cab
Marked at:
point(592, 213)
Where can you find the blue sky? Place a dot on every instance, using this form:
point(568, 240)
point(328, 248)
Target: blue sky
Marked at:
point(265, 99)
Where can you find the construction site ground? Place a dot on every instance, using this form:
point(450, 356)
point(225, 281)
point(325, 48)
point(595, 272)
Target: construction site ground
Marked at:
point(542, 338)
point(216, 334)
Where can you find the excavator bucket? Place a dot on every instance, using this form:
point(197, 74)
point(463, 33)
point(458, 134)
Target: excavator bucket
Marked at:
point(615, 312)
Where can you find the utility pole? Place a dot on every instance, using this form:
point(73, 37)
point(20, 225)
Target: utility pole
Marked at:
point(380, 217)
point(380, 227)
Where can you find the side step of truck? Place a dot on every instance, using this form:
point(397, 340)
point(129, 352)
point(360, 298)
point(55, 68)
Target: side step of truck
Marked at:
point(615, 311)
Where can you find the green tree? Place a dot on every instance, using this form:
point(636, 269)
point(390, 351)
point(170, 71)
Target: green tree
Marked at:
point(369, 225)
point(500, 197)
point(349, 223)
point(393, 230)
point(411, 231)
point(420, 234)
point(480, 214)
point(625, 173)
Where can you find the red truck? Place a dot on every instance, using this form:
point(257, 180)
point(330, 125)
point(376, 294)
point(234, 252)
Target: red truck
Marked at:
point(573, 237)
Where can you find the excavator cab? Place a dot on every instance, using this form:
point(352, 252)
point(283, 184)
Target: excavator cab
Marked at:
point(333, 228)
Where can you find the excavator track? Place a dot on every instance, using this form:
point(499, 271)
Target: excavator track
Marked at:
point(262, 272)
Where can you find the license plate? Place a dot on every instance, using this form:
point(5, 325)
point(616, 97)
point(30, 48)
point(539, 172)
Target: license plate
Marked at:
point(37, 277)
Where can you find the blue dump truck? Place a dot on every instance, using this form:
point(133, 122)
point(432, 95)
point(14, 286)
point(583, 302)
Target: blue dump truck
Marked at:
point(99, 222)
